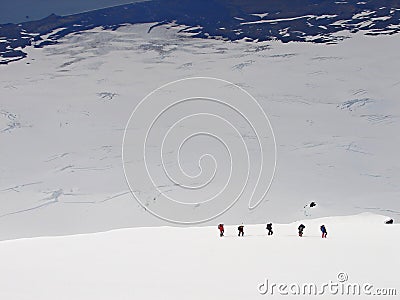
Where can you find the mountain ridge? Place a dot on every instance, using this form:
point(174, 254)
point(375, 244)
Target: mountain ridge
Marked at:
point(287, 21)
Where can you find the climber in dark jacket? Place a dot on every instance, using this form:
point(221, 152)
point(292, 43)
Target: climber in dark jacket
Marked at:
point(324, 232)
point(269, 228)
point(301, 229)
point(241, 230)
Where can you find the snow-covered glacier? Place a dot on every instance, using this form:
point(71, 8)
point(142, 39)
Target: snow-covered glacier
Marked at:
point(128, 133)
point(334, 110)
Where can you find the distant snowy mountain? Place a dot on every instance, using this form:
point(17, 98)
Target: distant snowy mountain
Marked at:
point(307, 21)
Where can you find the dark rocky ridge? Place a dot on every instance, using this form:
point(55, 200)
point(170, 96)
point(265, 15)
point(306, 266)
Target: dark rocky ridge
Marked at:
point(314, 21)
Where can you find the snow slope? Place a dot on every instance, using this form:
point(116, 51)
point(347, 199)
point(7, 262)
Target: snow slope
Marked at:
point(334, 110)
point(194, 263)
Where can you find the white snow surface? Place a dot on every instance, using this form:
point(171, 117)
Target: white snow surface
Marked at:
point(195, 263)
point(63, 110)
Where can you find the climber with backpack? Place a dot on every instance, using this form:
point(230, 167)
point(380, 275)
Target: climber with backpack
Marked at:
point(301, 229)
point(269, 228)
point(241, 230)
point(221, 230)
point(324, 232)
